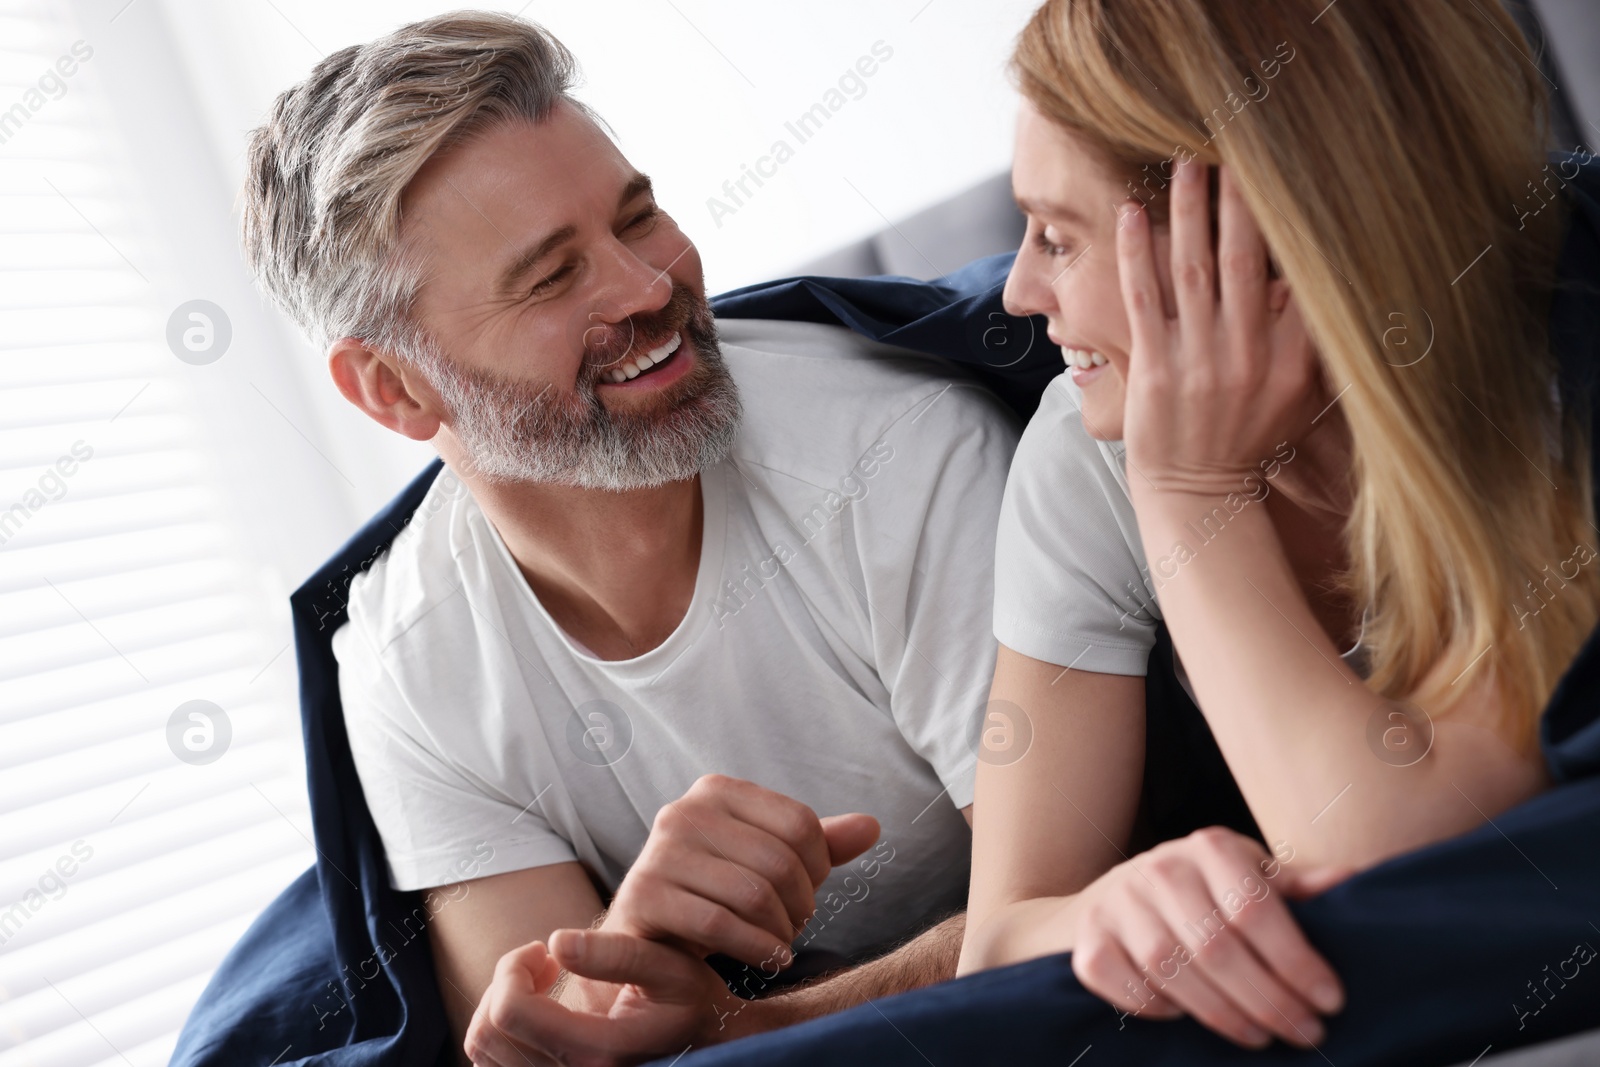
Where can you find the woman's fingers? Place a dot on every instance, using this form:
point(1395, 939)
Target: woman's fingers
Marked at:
point(1203, 999)
point(1217, 953)
point(1141, 293)
point(1193, 266)
point(1105, 968)
point(1242, 267)
point(1140, 965)
point(1273, 936)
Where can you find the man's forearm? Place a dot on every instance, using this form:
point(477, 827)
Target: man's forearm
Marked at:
point(928, 958)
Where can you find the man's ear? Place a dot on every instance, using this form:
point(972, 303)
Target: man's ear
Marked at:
point(377, 383)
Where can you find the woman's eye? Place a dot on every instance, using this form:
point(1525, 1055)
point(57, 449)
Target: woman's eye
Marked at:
point(1048, 247)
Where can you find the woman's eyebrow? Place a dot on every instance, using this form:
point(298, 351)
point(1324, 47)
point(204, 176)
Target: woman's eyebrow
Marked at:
point(1052, 209)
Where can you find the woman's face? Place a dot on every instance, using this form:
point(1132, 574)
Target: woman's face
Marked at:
point(1066, 269)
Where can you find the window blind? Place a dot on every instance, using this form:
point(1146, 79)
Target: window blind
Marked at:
point(136, 841)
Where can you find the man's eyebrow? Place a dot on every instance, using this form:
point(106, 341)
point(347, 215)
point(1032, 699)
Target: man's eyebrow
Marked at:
point(531, 256)
point(638, 185)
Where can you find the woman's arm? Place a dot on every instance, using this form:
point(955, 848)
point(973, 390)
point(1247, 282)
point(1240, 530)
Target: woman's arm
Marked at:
point(1051, 817)
point(1210, 393)
point(1300, 731)
point(1193, 926)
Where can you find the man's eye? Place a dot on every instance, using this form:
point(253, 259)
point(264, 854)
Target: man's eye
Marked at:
point(644, 218)
point(550, 281)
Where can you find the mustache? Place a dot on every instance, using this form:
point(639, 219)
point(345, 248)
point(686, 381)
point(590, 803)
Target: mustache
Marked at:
point(606, 344)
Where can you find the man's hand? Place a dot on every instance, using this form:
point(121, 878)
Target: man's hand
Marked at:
point(666, 1001)
point(1193, 926)
point(734, 868)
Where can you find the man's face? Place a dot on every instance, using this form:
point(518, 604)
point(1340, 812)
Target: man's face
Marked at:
point(575, 343)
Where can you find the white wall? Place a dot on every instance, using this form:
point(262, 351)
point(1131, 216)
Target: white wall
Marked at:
point(696, 89)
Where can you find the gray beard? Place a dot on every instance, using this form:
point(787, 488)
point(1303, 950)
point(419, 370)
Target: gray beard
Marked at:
point(513, 431)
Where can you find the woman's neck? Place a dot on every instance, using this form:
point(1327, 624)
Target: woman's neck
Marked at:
point(1310, 508)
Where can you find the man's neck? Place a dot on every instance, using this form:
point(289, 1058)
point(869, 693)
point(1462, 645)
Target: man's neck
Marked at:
point(616, 571)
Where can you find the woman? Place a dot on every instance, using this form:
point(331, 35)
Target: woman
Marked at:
point(1291, 257)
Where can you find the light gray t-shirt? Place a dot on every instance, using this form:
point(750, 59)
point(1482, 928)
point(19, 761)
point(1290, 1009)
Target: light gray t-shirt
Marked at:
point(1071, 583)
point(1072, 586)
point(837, 648)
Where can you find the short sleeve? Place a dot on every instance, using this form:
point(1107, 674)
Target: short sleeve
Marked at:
point(925, 536)
point(1070, 578)
point(438, 826)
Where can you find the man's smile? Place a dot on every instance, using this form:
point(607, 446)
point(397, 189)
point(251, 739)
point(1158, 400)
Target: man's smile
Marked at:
point(659, 367)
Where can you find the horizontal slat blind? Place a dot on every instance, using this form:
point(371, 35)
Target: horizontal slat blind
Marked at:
point(125, 591)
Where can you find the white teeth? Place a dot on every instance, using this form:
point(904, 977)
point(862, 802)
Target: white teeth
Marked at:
point(656, 355)
point(639, 364)
point(1081, 359)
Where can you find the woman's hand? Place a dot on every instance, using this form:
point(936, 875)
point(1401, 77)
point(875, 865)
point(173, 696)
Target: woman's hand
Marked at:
point(1199, 926)
point(1211, 392)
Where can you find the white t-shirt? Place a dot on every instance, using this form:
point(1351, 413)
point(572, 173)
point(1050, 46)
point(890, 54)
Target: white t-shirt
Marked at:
point(1072, 586)
point(836, 650)
point(1071, 583)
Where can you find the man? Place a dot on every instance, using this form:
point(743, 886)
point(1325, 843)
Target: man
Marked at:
point(682, 586)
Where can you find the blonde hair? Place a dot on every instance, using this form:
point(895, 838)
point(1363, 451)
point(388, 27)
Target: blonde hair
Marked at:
point(1383, 148)
point(320, 218)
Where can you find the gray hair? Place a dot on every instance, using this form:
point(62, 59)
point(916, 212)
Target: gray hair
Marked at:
point(321, 213)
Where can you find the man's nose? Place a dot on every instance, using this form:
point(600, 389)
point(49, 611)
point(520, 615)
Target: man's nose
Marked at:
point(632, 286)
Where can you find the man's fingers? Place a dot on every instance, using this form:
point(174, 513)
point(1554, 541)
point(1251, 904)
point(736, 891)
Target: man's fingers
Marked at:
point(848, 836)
point(516, 1016)
point(528, 966)
point(709, 829)
point(785, 869)
point(707, 926)
point(783, 817)
point(663, 973)
point(759, 906)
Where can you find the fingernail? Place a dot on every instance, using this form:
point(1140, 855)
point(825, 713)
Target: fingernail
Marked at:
point(1326, 997)
point(1129, 215)
point(1254, 1035)
point(577, 944)
point(1312, 1031)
